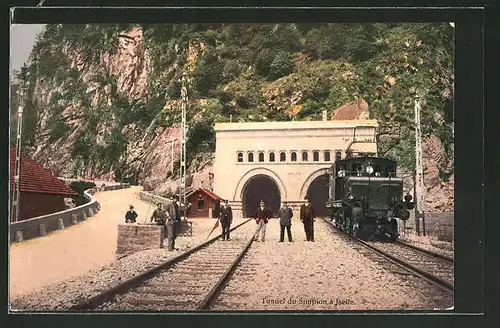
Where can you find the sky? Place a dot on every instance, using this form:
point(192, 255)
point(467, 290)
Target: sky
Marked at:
point(22, 40)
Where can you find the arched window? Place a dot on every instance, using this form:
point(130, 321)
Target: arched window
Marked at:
point(294, 156)
point(261, 157)
point(327, 156)
point(338, 156)
point(316, 156)
point(304, 156)
point(240, 157)
point(282, 156)
point(271, 157)
point(250, 157)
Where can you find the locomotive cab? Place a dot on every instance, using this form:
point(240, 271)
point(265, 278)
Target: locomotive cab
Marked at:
point(366, 197)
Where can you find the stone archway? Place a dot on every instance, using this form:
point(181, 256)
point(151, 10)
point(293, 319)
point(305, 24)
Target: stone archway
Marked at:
point(238, 193)
point(310, 179)
point(316, 189)
point(251, 180)
point(257, 188)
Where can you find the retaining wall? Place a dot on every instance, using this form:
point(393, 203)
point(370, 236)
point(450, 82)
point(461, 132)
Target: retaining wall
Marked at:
point(150, 198)
point(437, 224)
point(137, 237)
point(42, 225)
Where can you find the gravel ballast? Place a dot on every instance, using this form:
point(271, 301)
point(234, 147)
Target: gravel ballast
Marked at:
point(63, 295)
point(323, 275)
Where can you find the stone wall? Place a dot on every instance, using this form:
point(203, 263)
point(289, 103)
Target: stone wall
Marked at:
point(138, 237)
point(40, 226)
point(437, 224)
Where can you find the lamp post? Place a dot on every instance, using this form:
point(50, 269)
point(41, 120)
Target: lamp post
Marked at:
point(16, 190)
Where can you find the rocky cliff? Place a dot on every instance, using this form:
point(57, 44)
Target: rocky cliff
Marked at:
point(103, 100)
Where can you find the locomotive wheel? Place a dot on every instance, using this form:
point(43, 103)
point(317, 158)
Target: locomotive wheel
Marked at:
point(355, 229)
point(394, 227)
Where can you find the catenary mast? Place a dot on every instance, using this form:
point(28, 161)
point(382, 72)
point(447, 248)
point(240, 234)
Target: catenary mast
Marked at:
point(184, 102)
point(419, 169)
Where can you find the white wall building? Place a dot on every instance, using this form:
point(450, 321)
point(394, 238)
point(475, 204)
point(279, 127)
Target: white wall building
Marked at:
point(277, 161)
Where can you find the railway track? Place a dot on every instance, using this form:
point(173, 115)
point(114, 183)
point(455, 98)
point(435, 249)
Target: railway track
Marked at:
point(435, 268)
point(190, 281)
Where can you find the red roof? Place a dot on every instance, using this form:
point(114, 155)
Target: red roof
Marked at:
point(35, 178)
point(206, 192)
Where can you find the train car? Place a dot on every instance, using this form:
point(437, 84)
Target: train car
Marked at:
point(366, 197)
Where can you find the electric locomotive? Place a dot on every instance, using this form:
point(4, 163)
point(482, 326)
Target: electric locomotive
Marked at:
point(366, 197)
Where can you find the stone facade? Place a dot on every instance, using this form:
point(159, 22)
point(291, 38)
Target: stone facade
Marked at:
point(291, 154)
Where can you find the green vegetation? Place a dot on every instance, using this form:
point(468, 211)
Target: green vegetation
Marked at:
point(248, 71)
point(80, 187)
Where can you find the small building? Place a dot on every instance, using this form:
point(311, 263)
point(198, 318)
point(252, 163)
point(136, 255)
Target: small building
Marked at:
point(41, 192)
point(204, 204)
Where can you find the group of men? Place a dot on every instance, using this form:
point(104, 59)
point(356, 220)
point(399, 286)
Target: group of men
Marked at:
point(262, 216)
point(168, 218)
point(171, 217)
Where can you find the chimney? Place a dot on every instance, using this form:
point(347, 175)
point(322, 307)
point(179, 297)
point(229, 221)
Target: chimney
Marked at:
point(324, 114)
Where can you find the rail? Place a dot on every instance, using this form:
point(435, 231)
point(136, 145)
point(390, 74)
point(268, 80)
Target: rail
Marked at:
point(438, 281)
point(109, 294)
point(42, 225)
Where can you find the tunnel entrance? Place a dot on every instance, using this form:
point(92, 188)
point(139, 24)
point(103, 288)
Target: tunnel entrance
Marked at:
point(318, 195)
point(261, 187)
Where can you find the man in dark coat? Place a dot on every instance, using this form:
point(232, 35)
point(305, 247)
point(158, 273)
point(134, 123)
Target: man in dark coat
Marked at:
point(307, 217)
point(226, 218)
point(159, 215)
point(131, 215)
point(262, 216)
point(174, 217)
point(285, 214)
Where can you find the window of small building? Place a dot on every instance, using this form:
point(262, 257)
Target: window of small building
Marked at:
point(338, 156)
point(240, 157)
point(282, 156)
point(294, 156)
point(327, 156)
point(201, 204)
point(261, 157)
point(305, 156)
point(316, 156)
point(271, 157)
point(250, 157)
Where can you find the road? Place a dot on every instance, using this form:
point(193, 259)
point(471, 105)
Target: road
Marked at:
point(75, 250)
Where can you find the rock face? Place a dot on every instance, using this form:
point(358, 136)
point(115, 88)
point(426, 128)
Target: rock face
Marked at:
point(149, 159)
point(440, 194)
point(355, 110)
point(130, 64)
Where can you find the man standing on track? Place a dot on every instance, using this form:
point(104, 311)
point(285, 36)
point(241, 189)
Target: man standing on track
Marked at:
point(262, 215)
point(172, 223)
point(307, 217)
point(285, 214)
point(226, 218)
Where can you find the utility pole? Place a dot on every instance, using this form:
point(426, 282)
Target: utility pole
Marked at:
point(419, 170)
point(16, 191)
point(172, 156)
point(184, 102)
